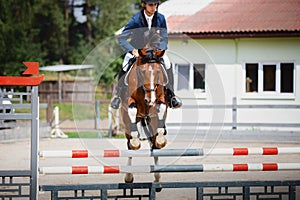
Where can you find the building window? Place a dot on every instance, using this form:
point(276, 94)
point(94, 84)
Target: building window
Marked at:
point(190, 76)
point(287, 77)
point(183, 77)
point(265, 78)
point(269, 80)
point(199, 76)
point(251, 77)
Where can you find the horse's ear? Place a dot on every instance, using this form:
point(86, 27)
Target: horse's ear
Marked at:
point(159, 53)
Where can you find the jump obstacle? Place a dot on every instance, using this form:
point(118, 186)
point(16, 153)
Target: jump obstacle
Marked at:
point(170, 168)
point(169, 152)
point(247, 189)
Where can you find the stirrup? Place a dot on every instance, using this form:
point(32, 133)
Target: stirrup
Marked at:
point(115, 103)
point(176, 99)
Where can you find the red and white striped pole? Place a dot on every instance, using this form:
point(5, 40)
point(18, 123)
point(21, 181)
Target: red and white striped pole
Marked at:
point(170, 152)
point(169, 168)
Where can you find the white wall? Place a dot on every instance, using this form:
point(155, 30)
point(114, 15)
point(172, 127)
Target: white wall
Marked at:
point(224, 59)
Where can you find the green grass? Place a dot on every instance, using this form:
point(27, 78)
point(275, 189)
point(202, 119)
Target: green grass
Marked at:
point(78, 111)
point(82, 134)
point(90, 135)
point(75, 111)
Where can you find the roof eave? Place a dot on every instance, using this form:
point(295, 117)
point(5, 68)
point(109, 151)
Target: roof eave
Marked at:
point(250, 34)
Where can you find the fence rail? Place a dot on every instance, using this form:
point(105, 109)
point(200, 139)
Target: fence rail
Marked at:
point(234, 124)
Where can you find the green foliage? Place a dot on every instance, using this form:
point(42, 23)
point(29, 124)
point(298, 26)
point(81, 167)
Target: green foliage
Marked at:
point(16, 36)
point(106, 55)
point(50, 23)
point(112, 15)
point(48, 32)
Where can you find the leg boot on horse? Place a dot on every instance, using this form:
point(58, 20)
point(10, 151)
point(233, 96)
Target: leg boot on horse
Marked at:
point(134, 137)
point(159, 140)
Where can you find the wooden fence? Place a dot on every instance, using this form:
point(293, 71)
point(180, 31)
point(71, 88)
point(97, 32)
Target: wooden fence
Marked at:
point(71, 91)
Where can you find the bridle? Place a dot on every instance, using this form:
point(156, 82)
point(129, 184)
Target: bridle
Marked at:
point(140, 81)
point(149, 59)
point(149, 90)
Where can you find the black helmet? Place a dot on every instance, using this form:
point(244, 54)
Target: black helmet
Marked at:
point(150, 1)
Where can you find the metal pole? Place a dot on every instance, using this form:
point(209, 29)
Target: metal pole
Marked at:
point(98, 103)
point(85, 169)
point(34, 142)
point(59, 87)
point(109, 134)
point(82, 153)
point(234, 114)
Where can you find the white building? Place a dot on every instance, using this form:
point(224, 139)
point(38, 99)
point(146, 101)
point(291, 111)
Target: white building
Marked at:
point(248, 49)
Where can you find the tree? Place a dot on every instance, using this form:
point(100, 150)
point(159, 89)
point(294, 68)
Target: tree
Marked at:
point(50, 23)
point(48, 32)
point(16, 36)
point(30, 30)
point(112, 15)
point(104, 18)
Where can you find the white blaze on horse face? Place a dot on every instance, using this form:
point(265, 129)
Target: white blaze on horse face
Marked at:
point(152, 84)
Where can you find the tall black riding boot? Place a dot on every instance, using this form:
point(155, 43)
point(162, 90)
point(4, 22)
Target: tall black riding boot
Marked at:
point(174, 102)
point(115, 103)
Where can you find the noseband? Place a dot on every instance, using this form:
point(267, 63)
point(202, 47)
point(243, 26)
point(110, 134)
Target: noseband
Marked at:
point(150, 90)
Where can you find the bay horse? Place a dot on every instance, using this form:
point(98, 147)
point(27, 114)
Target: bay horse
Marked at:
point(144, 109)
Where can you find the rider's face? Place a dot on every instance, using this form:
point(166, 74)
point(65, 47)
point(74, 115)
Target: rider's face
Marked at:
point(150, 8)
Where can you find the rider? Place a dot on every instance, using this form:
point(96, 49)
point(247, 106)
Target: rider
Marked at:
point(135, 29)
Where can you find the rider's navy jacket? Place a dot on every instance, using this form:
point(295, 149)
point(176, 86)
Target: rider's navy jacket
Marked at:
point(135, 29)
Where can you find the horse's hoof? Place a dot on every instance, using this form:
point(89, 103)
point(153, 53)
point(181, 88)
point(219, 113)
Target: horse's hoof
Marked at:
point(135, 148)
point(129, 179)
point(160, 141)
point(135, 144)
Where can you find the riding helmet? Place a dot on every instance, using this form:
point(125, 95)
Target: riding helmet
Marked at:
point(150, 1)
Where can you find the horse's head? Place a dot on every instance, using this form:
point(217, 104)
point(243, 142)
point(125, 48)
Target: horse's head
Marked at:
point(150, 73)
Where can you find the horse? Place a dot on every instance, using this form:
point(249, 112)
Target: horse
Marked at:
point(146, 107)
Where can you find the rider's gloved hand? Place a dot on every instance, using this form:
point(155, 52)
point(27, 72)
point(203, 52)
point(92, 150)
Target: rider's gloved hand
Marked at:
point(135, 52)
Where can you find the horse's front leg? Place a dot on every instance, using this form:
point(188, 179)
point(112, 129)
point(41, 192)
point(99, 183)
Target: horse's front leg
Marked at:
point(134, 141)
point(160, 140)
